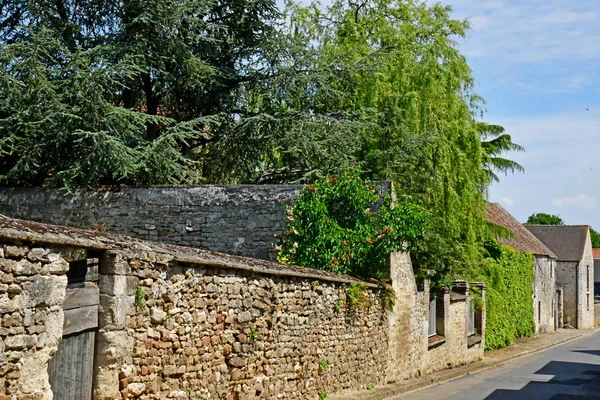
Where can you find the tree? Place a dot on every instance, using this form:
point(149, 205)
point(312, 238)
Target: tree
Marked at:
point(148, 92)
point(343, 224)
point(494, 142)
point(544, 219)
point(595, 238)
point(399, 65)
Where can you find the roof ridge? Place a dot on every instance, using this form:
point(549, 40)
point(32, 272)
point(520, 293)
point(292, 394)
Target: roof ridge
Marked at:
point(566, 226)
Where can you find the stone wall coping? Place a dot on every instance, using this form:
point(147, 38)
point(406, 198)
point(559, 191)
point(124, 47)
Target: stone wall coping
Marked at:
point(61, 236)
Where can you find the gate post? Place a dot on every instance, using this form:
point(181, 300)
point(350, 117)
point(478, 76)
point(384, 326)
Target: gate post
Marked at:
point(114, 346)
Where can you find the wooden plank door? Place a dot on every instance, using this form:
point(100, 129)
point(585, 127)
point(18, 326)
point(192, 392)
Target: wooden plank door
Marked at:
point(71, 368)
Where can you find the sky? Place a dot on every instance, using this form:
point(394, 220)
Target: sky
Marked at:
point(537, 64)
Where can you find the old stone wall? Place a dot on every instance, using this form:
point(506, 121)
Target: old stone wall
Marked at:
point(182, 323)
point(456, 349)
point(200, 332)
point(240, 219)
point(410, 351)
point(566, 275)
point(544, 288)
point(597, 313)
point(585, 309)
point(32, 290)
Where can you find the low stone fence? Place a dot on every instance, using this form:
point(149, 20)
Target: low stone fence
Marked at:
point(182, 323)
point(597, 312)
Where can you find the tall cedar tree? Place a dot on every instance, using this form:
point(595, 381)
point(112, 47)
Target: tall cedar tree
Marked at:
point(147, 92)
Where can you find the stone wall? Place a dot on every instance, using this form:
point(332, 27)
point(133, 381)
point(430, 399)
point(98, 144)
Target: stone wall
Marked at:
point(566, 273)
point(585, 309)
point(597, 313)
point(411, 353)
point(184, 323)
point(544, 288)
point(32, 290)
point(456, 349)
point(200, 332)
point(239, 219)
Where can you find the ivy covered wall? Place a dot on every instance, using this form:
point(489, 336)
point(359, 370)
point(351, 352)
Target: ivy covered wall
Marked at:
point(509, 276)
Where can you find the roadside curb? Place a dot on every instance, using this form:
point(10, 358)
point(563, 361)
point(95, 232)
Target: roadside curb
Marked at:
point(384, 392)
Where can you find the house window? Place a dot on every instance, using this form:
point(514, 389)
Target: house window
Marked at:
point(436, 321)
point(539, 311)
point(551, 269)
point(588, 302)
point(470, 317)
point(432, 318)
point(588, 278)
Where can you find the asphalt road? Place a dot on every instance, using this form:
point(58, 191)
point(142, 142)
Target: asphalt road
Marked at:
point(567, 372)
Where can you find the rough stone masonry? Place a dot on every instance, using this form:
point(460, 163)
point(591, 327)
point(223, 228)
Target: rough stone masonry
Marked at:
point(183, 323)
point(32, 290)
point(239, 219)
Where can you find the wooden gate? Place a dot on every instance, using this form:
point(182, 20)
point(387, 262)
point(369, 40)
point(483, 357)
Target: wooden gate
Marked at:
point(71, 368)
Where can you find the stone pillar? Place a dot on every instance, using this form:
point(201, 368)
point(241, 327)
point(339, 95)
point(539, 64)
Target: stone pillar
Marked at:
point(114, 345)
point(32, 290)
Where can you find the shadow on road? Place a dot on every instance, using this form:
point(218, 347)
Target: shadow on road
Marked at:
point(570, 381)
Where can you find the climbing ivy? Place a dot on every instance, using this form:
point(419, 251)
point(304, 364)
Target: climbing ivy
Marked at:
point(509, 276)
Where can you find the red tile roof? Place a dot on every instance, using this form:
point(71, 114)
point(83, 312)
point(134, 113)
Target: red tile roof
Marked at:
point(596, 253)
point(523, 240)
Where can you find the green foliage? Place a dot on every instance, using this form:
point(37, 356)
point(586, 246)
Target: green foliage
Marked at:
point(493, 143)
point(322, 395)
point(544, 219)
point(357, 296)
point(388, 299)
point(159, 92)
point(370, 387)
point(400, 66)
point(139, 298)
point(337, 305)
point(342, 224)
point(323, 365)
point(509, 276)
point(254, 333)
point(595, 238)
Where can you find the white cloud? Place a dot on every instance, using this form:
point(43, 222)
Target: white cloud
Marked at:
point(580, 200)
point(507, 201)
point(519, 41)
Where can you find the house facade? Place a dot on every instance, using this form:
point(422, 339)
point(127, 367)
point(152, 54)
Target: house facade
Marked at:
point(596, 254)
point(546, 303)
point(574, 269)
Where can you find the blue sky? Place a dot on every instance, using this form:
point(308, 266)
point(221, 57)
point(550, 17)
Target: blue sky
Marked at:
point(537, 64)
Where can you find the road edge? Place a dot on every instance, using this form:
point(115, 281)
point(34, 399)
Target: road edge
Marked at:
point(440, 377)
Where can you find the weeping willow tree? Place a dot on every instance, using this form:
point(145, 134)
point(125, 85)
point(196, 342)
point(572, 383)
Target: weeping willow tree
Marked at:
point(399, 64)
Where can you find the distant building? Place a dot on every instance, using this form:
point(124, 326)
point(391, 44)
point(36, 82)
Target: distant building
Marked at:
point(545, 300)
point(574, 269)
point(596, 253)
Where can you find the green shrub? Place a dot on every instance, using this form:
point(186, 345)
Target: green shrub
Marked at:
point(342, 224)
point(509, 305)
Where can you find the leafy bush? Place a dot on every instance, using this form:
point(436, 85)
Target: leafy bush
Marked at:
point(509, 276)
point(343, 224)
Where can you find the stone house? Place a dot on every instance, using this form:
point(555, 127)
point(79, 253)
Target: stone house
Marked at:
point(546, 302)
point(574, 269)
point(90, 312)
point(596, 254)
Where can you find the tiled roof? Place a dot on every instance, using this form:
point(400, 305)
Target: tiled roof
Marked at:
point(596, 253)
point(566, 241)
point(523, 240)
